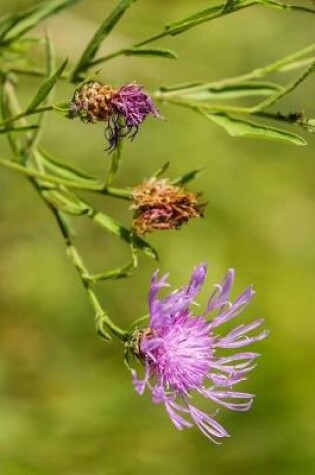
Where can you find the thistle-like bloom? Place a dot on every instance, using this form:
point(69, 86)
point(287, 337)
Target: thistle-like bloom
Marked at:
point(122, 109)
point(181, 352)
point(159, 205)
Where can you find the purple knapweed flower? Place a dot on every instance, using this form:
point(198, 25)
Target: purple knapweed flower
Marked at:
point(181, 352)
point(123, 109)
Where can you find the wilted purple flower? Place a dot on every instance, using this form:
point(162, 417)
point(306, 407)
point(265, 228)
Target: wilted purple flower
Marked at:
point(159, 205)
point(123, 109)
point(181, 352)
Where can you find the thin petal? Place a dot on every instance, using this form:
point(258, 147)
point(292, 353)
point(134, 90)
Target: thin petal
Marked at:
point(208, 426)
point(235, 309)
point(222, 292)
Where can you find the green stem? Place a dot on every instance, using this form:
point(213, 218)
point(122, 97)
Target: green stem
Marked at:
point(104, 323)
point(102, 318)
point(171, 31)
point(96, 187)
point(197, 107)
point(26, 113)
point(255, 74)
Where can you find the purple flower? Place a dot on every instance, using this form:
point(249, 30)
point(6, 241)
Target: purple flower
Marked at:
point(130, 105)
point(123, 109)
point(181, 353)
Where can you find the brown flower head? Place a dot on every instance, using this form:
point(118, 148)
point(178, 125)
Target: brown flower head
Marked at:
point(160, 205)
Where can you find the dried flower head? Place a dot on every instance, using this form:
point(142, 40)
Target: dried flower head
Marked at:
point(181, 352)
point(160, 205)
point(122, 109)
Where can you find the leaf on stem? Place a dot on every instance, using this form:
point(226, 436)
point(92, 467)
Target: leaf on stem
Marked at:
point(119, 273)
point(66, 170)
point(104, 30)
point(228, 6)
point(284, 91)
point(179, 87)
point(244, 89)
point(123, 233)
point(46, 87)
point(241, 128)
point(284, 6)
point(154, 52)
point(28, 19)
point(161, 170)
point(205, 15)
point(66, 201)
point(184, 179)
point(24, 128)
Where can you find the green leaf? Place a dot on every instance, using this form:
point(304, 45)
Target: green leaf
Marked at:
point(65, 170)
point(18, 129)
point(66, 201)
point(28, 19)
point(240, 128)
point(104, 29)
point(159, 52)
point(119, 273)
point(46, 87)
point(123, 233)
point(6, 23)
point(228, 7)
point(203, 16)
point(161, 170)
point(298, 64)
point(182, 180)
point(245, 89)
point(283, 91)
point(179, 87)
point(284, 6)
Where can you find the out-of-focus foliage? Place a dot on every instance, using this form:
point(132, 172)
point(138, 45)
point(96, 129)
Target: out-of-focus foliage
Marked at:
point(67, 406)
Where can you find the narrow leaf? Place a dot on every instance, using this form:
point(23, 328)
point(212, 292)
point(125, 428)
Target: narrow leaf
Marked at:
point(66, 201)
point(34, 15)
point(18, 129)
point(119, 273)
point(179, 87)
point(239, 128)
point(245, 89)
point(284, 6)
point(182, 180)
point(123, 233)
point(104, 29)
point(161, 170)
point(205, 15)
point(66, 170)
point(286, 90)
point(155, 52)
point(228, 7)
point(46, 87)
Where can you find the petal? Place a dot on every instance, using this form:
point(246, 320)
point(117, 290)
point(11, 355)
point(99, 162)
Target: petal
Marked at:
point(242, 341)
point(163, 310)
point(235, 309)
point(177, 420)
point(222, 291)
point(208, 426)
point(224, 399)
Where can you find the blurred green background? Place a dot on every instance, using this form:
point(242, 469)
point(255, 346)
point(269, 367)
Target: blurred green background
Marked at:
point(67, 406)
